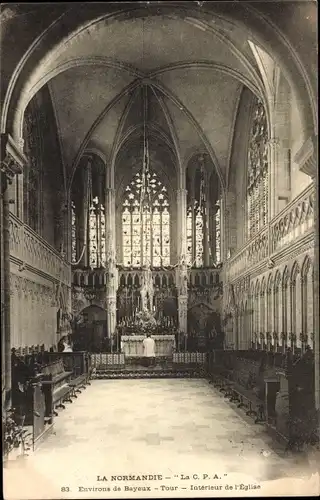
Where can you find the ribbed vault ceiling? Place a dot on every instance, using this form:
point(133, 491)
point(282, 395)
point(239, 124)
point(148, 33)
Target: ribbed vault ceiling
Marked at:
point(194, 69)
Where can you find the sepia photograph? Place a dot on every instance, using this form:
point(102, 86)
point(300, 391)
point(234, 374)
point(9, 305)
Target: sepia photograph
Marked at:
point(159, 233)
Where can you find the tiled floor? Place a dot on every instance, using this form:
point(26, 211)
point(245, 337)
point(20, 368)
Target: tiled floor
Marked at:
point(166, 427)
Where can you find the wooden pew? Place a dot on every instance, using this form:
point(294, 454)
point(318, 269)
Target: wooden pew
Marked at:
point(298, 423)
point(239, 374)
point(248, 386)
point(28, 398)
point(76, 362)
point(57, 388)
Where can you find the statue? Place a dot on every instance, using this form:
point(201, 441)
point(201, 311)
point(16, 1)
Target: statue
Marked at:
point(113, 276)
point(182, 276)
point(146, 291)
point(146, 320)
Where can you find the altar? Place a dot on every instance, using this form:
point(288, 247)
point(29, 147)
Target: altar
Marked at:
point(132, 345)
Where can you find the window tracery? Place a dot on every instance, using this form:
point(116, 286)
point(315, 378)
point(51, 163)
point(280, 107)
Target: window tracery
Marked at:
point(218, 232)
point(257, 173)
point(97, 236)
point(32, 175)
point(196, 217)
point(203, 219)
point(73, 232)
point(145, 234)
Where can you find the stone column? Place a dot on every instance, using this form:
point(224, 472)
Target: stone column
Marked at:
point(212, 233)
point(181, 222)
point(111, 306)
point(298, 310)
point(12, 161)
point(316, 293)
point(307, 160)
point(289, 311)
point(110, 223)
point(112, 271)
point(258, 315)
point(273, 169)
point(269, 312)
point(309, 305)
point(82, 214)
point(183, 313)
point(206, 253)
point(181, 272)
point(20, 324)
point(224, 236)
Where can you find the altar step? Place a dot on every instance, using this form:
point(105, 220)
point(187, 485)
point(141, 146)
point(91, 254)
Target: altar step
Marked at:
point(151, 372)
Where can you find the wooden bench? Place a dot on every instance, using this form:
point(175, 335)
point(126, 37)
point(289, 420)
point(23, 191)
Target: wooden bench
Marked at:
point(77, 363)
point(247, 399)
point(237, 377)
point(56, 383)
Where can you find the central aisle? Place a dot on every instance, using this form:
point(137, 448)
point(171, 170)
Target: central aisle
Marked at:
point(163, 427)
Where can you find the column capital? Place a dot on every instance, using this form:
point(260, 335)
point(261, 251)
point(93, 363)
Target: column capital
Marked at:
point(273, 142)
point(12, 159)
point(306, 157)
point(182, 191)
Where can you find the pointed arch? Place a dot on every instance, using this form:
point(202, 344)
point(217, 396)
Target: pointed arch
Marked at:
point(270, 282)
point(277, 280)
point(294, 272)
point(306, 265)
point(285, 276)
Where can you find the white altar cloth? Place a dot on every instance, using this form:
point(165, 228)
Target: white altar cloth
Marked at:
point(131, 345)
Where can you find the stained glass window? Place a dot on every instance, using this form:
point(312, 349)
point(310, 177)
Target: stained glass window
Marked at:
point(218, 233)
point(33, 174)
point(195, 234)
point(97, 236)
point(73, 232)
point(199, 234)
point(189, 237)
point(257, 176)
point(148, 238)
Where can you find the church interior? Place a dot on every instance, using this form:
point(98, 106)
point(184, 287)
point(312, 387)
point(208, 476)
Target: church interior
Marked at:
point(159, 177)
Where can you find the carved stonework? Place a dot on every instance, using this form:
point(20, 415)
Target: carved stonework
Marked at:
point(12, 159)
point(306, 158)
point(182, 313)
point(258, 150)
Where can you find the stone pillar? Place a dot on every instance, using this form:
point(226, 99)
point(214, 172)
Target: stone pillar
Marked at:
point(316, 292)
point(110, 224)
point(298, 310)
point(111, 306)
point(181, 272)
point(212, 233)
point(206, 233)
point(307, 160)
point(289, 311)
point(183, 313)
point(273, 170)
point(278, 308)
point(258, 314)
point(309, 306)
point(82, 214)
point(112, 271)
point(12, 161)
point(269, 313)
point(224, 229)
point(181, 222)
